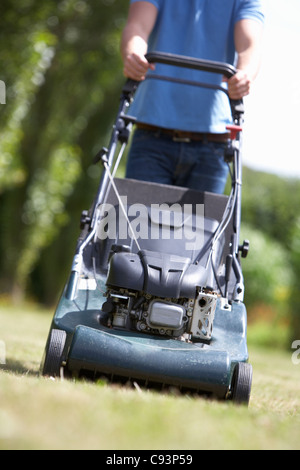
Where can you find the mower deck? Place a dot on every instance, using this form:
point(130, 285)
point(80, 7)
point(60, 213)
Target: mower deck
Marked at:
point(93, 350)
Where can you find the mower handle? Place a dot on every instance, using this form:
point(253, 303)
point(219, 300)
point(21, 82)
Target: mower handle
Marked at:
point(191, 63)
point(203, 65)
point(180, 61)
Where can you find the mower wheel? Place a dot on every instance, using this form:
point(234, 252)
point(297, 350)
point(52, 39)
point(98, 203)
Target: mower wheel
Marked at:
point(53, 358)
point(241, 383)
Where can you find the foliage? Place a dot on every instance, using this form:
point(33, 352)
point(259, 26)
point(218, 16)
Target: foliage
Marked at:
point(271, 208)
point(271, 204)
point(295, 294)
point(268, 274)
point(61, 66)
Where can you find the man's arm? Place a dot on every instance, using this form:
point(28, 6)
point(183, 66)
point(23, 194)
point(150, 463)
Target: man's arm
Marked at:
point(134, 44)
point(248, 39)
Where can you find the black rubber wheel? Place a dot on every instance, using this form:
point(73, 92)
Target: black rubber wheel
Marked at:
point(53, 358)
point(241, 383)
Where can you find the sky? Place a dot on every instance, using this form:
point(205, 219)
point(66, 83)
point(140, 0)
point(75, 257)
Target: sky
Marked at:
point(272, 119)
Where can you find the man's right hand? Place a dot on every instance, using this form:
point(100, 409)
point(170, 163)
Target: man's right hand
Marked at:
point(134, 44)
point(136, 66)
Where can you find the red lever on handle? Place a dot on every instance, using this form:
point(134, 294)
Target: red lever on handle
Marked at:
point(234, 130)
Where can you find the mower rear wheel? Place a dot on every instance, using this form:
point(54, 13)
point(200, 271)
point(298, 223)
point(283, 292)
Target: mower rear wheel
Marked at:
point(241, 383)
point(54, 353)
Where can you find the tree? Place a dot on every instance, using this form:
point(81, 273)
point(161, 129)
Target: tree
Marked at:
point(295, 294)
point(271, 209)
point(61, 65)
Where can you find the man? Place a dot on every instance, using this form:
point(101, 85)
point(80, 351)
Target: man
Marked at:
point(181, 133)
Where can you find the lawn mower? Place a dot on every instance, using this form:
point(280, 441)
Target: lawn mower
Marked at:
point(155, 296)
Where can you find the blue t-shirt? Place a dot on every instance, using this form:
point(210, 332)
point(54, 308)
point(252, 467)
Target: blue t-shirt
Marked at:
point(196, 28)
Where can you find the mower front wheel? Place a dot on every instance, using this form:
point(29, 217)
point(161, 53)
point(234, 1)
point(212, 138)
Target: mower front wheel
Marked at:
point(54, 354)
point(241, 383)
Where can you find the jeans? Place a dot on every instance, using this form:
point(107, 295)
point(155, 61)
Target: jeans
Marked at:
point(156, 157)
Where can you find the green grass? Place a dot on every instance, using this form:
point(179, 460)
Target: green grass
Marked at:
point(40, 413)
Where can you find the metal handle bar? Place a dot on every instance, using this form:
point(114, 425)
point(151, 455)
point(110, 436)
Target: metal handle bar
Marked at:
point(237, 107)
point(191, 63)
point(225, 69)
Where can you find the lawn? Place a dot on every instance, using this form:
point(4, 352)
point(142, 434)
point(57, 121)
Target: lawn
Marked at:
point(40, 413)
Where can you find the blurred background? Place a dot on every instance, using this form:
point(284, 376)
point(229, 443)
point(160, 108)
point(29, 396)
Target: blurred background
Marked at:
point(61, 65)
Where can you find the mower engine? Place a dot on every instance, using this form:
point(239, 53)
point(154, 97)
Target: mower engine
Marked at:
point(165, 303)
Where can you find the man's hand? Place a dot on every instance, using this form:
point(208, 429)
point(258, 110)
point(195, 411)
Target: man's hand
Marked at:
point(136, 66)
point(134, 44)
point(248, 37)
point(239, 85)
